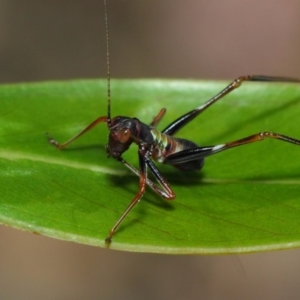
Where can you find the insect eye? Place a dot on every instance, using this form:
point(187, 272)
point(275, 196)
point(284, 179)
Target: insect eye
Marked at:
point(124, 135)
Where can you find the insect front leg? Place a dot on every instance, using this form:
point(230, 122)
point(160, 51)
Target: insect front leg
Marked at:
point(135, 200)
point(201, 152)
point(64, 145)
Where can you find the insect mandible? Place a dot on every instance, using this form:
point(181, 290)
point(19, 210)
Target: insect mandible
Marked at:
point(162, 146)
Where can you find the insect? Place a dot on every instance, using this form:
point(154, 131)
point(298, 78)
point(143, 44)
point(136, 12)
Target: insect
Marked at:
point(162, 146)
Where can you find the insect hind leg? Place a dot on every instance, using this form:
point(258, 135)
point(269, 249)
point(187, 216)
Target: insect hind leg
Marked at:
point(201, 152)
point(176, 125)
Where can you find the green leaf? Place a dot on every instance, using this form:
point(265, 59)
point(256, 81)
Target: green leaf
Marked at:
point(245, 199)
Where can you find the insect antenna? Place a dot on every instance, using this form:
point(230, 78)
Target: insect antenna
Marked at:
point(108, 66)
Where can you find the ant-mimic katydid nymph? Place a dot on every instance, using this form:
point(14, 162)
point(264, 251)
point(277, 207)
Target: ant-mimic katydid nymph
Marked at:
point(162, 146)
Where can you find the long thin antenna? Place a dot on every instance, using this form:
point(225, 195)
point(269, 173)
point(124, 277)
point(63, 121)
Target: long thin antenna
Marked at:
point(108, 65)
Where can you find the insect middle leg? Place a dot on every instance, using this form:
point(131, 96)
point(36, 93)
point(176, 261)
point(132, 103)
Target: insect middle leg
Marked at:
point(201, 152)
point(157, 119)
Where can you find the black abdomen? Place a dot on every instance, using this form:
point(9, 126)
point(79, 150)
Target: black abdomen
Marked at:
point(194, 165)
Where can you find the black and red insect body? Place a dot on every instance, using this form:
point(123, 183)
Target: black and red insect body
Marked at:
point(161, 146)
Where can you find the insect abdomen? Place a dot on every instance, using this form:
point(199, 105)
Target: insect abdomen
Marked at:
point(166, 145)
point(194, 165)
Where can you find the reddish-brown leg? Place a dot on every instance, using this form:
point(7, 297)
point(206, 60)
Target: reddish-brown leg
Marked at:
point(157, 119)
point(64, 145)
point(135, 200)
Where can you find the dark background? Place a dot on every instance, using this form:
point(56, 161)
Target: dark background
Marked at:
point(54, 40)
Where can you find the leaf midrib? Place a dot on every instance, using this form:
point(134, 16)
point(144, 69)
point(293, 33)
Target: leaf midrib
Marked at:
point(15, 155)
